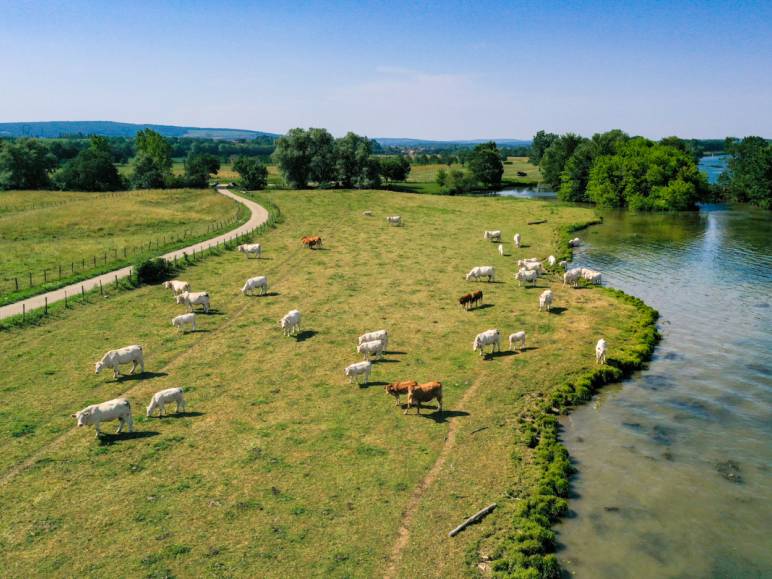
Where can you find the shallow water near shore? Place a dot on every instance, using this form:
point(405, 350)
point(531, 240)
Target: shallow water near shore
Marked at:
point(675, 465)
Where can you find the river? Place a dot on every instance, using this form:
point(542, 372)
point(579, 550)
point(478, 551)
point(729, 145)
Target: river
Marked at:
point(675, 464)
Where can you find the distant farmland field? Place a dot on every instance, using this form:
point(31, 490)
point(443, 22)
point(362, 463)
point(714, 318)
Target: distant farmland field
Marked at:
point(46, 230)
point(428, 173)
point(281, 468)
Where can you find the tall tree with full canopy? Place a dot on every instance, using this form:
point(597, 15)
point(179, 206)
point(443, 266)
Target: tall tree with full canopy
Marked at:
point(748, 178)
point(485, 164)
point(153, 163)
point(25, 164)
point(541, 142)
point(254, 175)
point(93, 169)
point(556, 156)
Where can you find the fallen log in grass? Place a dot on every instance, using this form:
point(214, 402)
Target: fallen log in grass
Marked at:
point(473, 519)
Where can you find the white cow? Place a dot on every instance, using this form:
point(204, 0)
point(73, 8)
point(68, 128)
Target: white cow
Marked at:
point(525, 275)
point(571, 277)
point(492, 235)
point(114, 358)
point(545, 300)
point(482, 271)
point(501, 250)
point(160, 399)
point(591, 275)
point(564, 264)
point(600, 352)
point(517, 337)
point(524, 262)
point(575, 242)
point(551, 260)
point(260, 282)
point(381, 335)
point(534, 266)
point(177, 286)
point(359, 369)
point(251, 249)
point(181, 320)
point(191, 299)
point(367, 213)
point(490, 338)
point(517, 240)
point(371, 348)
point(394, 220)
point(118, 409)
point(290, 323)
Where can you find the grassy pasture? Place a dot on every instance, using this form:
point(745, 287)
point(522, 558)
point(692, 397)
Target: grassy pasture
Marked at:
point(281, 468)
point(428, 173)
point(43, 229)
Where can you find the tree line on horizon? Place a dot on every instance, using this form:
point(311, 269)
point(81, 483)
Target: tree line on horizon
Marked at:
point(614, 169)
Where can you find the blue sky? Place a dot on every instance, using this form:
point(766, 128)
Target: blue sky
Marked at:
point(401, 69)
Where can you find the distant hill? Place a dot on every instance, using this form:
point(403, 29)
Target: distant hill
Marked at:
point(428, 144)
point(53, 129)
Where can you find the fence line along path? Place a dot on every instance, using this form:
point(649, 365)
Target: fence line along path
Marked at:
point(258, 216)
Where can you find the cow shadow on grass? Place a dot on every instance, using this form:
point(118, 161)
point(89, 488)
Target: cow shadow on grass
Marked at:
point(372, 384)
point(481, 307)
point(305, 335)
point(185, 414)
point(501, 354)
point(384, 361)
point(394, 353)
point(265, 295)
point(557, 311)
point(439, 416)
point(528, 348)
point(140, 376)
point(106, 439)
point(196, 331)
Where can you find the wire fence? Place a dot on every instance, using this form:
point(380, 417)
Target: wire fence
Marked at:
point(109, 258)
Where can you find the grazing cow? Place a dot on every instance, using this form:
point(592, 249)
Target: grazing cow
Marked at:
point(524, 262)
point(591, 275)
point(358, 369)
point(551, 260)
point(501, 250)
point(477, 298)
point(490, 338)
point(163, 397)
point(177, 286)
point(600, 352)
point(492, 235)
point(465, 301)
point(381, 335)
point(290, 323)
point(394, 220)
point(260, 282)
point(311, 241)
point(482, 271)
point(517, 240)
point(424, 393)
point(396, 389)
point(571, 277)
point(250, 249)
point(181, 320)
point(517, 337)
point(114, 358)
point(545, 300)
point(525, 275)
point(191, 299)
point(367, 213)
point(575, 242)
point(118, 409)
point(371, 348)
point(473, 299)
point(534, 266)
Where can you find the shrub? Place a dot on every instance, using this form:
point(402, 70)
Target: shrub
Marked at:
point(153, 270)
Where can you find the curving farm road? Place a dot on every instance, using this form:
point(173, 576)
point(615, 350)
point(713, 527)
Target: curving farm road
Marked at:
point(258, 217)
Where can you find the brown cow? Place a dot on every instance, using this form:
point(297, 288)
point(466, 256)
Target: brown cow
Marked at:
point(397, 388)
point(477, 298)
point(424, 393)
point(465, 300)
point(311, 241)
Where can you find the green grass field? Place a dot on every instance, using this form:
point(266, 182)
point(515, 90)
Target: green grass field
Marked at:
point(281, 468)
point(428, 173)
point(42, 230)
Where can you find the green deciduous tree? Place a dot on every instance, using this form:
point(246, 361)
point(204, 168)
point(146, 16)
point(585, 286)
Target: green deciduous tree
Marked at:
point(93, 169)
point(25, 164)
point(353, 167)
point(556, 156)
point(748, 178)
point(254, 175)
point(395, 168)
point(485, 165)
point(198, 167)
point(541, 142)
point(153, 164)
point(306, 155)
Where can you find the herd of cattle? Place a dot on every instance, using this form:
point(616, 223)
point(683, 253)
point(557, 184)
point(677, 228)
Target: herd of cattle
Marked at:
point(369, 344)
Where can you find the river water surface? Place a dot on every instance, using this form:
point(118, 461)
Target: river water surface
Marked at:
point(675, 465)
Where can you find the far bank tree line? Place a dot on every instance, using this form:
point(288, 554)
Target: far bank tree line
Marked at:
point(613, 169)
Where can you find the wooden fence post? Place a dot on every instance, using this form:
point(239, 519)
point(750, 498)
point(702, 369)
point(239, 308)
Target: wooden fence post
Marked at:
point(83, 293)
point(46, 309)
point(23, 312)
point(101, 291)
point(65, 298)
point(60, 271)
point(16, 281)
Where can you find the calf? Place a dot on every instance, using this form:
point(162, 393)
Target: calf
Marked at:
point(396, 389)
point(118, 409)
point(477, 298)
point(545, 300)
point(600, 352)
point(114, 358)
point(182, 320)
point(424, 393)
point(465, 301)
point(358, 369)
point(517, 337)
point(517, 240)
point(163, 397)
point(501, 250)
point(394, 220)
point(191, 299)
